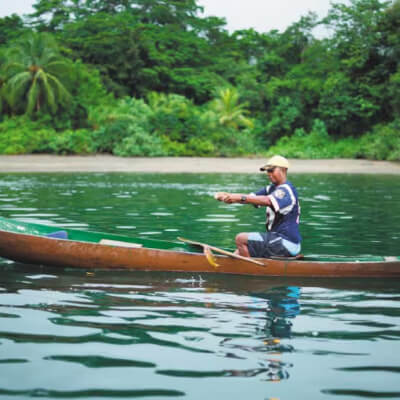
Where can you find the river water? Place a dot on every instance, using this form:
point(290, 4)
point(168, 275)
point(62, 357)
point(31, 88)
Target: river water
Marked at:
point(69, 333)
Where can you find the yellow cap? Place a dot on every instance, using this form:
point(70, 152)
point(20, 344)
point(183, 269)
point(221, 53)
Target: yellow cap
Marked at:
point(276, 161)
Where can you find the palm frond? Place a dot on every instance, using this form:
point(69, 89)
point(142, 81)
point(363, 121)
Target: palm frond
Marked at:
point(48, 91)
point(63, 95)
point(12, 68)
point(230, 111)
point(17, 87)
point(33, 97)
point(60, 68)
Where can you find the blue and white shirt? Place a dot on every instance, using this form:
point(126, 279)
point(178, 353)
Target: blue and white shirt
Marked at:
point(284, 215)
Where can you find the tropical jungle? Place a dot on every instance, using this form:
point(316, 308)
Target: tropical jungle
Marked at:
point(156, 78)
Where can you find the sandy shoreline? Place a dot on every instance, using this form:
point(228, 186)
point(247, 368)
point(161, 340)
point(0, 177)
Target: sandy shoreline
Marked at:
point(106, 163)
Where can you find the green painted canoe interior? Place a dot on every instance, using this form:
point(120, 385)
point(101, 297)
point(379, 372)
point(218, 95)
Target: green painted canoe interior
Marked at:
point(15, 226)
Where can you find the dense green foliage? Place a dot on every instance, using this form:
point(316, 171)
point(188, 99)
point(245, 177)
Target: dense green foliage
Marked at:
point(154, 78)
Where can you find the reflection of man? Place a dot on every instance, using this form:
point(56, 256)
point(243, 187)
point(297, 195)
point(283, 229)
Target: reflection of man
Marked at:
point(283, 306)
point(278, 327)
point(283, 213)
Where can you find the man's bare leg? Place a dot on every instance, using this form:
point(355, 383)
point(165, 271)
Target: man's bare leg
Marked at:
point(241, 244)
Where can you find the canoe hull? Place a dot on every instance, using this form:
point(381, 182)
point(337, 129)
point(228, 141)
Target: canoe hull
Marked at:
point(41, 250)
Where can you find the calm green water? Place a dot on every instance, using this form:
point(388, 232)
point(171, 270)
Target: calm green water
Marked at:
point(68, 333)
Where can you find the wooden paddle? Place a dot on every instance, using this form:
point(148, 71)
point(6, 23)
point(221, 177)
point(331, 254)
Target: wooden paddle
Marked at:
point(207, 248)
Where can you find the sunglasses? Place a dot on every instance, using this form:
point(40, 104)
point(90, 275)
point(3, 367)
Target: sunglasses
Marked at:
point(270, 170)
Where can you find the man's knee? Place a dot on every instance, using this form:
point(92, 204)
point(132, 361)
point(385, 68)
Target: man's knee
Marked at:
point(241, 244)
point(241, 239)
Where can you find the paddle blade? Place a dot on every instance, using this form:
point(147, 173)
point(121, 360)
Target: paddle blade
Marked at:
point(210, 256)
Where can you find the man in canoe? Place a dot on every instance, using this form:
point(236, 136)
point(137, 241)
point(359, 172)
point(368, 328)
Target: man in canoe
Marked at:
point(280, 198)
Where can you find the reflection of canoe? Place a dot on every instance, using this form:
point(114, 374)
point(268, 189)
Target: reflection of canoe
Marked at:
point(30, 243)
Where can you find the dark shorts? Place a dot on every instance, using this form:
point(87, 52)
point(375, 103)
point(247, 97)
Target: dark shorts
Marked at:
point(266, 244)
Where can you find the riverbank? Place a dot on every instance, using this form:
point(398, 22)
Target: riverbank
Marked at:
point(107, 163)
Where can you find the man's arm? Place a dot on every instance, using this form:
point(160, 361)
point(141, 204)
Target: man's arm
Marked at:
point(243, 199)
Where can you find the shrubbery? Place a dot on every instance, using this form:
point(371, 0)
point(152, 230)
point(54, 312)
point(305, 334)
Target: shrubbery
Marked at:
point(383, 143)
point(71, 142)
point(130, 128)
point(316, 144)
point(168, 125)
point(23, 136)
point(20, 135)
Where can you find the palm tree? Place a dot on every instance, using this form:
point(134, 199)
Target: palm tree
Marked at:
point(231, 113)
point(34, 75)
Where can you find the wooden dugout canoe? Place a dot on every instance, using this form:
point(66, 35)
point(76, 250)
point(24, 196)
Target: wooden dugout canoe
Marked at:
point(28, 243)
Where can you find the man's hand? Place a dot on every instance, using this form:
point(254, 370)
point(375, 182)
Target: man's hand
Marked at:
point(228, 197)
point(256, 201)
point(221, 196)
